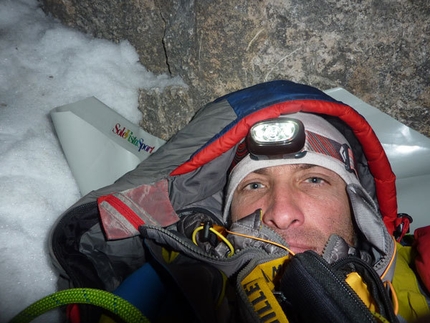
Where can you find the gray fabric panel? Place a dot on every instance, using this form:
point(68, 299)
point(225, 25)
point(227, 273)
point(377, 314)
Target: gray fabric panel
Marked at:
point(367, 216)
point(213, 204)
point(370, 223)
point(193, 188)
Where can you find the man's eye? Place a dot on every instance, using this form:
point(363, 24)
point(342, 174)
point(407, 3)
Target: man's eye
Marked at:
point(253, 186)
point(315, 180)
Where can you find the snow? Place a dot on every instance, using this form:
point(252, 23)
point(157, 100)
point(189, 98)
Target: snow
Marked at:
point(43, 65)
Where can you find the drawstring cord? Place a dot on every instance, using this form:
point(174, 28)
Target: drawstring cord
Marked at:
point(219, 230)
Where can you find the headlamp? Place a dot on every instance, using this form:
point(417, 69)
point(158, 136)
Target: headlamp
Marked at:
point(274, 138)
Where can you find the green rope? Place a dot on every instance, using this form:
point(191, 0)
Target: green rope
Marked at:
point(111, 302)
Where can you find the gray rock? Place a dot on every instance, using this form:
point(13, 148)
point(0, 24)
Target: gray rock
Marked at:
point(376, 49)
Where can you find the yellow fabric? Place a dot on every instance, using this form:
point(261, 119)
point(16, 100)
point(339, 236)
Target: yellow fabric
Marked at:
point(412, 304)
point(360, 287)
point(258, 287)
point(169, 255)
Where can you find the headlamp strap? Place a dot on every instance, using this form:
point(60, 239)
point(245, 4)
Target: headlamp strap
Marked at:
point(326, 146)
point(241, 152)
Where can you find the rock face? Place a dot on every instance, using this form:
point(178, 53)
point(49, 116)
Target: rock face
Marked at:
point(376, 49)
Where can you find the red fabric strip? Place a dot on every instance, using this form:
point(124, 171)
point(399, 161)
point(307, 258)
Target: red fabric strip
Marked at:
point(123, 209)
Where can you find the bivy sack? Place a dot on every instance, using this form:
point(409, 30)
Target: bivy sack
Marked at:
point(166, 218)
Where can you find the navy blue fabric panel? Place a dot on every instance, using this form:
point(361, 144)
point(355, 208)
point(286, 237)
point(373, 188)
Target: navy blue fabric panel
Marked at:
point(253, 98)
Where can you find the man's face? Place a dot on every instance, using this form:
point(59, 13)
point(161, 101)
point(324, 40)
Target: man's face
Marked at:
point(303, 203)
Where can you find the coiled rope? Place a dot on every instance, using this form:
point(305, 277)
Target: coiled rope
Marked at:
point(111, 302)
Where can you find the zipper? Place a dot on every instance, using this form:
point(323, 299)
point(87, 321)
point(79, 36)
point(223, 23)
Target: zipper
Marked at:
point(342, 262)
point(342, 283)
point(374, 276)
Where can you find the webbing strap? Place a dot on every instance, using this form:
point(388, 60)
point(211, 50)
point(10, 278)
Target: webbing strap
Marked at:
point(258, 286)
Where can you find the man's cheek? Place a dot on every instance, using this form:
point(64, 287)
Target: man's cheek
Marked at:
point(240, 208)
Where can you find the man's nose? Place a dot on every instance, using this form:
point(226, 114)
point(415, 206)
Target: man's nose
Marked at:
point(283, 209)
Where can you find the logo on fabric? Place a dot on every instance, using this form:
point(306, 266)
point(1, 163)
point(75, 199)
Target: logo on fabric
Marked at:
point(127, 134)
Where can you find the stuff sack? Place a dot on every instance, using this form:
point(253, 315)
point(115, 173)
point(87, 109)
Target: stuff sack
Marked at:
point(316, 291)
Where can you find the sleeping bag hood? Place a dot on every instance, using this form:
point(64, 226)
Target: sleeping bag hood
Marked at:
point(98, 241)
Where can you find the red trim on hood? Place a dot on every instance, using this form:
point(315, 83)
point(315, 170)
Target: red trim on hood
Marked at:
point(378, 162)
